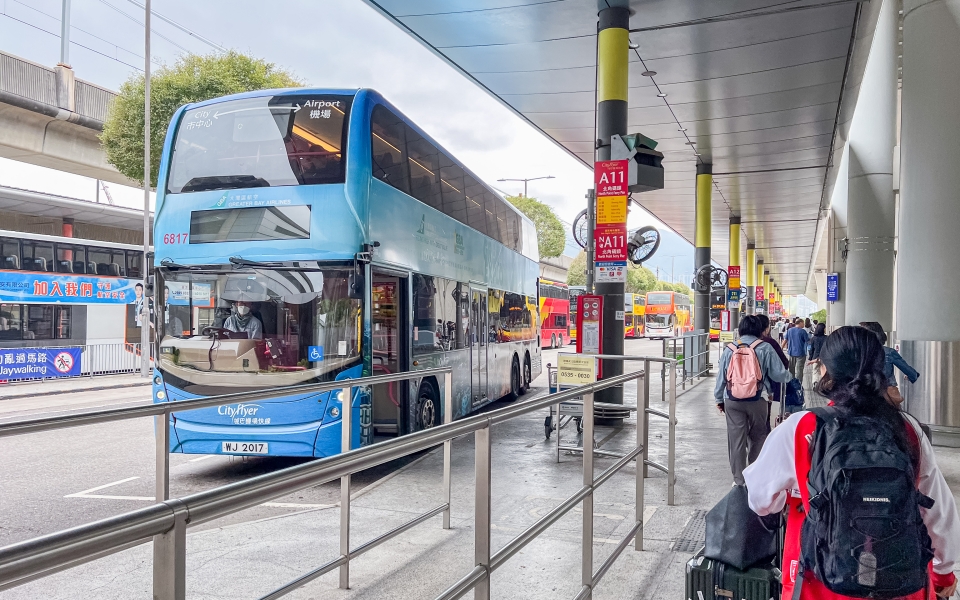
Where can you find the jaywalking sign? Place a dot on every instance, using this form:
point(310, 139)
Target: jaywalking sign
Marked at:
point(39, 363)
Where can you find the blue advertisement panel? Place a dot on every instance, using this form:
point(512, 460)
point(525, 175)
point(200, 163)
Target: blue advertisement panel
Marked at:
point(25, 286)
point(39, 363)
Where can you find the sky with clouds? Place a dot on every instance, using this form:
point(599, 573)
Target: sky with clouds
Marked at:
point(331, 43)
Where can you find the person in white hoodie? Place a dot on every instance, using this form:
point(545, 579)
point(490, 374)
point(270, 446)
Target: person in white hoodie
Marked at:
point(852, 363)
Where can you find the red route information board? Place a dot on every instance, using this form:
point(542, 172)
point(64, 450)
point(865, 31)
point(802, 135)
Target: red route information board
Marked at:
point(610, 177)
point(611, 242)
point(759, 294)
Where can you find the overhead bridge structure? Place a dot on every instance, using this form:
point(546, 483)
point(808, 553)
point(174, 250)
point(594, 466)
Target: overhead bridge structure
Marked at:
point(50, 118)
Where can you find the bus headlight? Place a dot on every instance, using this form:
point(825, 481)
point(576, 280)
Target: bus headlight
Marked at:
point(157, 380)
point(334, 412)
point(161, 395)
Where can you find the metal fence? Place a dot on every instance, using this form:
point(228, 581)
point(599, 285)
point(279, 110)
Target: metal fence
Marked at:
point(166, 522)
point(692, 353)
point(95, 359)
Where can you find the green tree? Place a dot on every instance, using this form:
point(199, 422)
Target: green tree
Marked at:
point(577, 273)
point(551, 238)
point(820, 316)
point(640, 280)
point(192, 79)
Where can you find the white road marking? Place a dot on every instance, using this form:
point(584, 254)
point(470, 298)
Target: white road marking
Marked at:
point(104, 497)
point(202, 458)
point(297, 505)
point(100, 487)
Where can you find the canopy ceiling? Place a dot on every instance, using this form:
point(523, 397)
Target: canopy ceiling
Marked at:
point(762, 89)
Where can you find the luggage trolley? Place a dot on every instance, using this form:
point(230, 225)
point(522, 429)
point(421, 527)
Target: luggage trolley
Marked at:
point(567, 411)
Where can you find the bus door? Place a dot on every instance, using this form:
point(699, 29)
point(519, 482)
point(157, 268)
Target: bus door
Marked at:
point(388, 350)
point(478, 345)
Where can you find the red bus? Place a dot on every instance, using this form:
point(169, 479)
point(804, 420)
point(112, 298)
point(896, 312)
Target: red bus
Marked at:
point(554, 314)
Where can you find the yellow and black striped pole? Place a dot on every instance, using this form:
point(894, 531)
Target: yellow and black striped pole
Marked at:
point(613, 53)
point(751, 269)
point(760, 294)
point(702, 239)
point(733, 266)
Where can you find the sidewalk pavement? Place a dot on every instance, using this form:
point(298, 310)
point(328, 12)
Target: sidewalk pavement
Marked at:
point(250, 559)
point(70, 385)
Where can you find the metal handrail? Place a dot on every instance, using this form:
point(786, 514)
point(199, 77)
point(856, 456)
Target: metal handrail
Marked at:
point(670, 416)
point(166, 522)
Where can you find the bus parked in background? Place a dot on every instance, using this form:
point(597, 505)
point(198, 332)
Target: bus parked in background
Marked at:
point(575, 291)
point(554, 314)
point(73, 299)
point(628, 321)
point(717, 304)
point(667, 315)
point(316, 235)
point(639, 314)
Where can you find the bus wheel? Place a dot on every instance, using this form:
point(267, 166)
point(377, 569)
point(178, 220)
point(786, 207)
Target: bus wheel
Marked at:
point(428, 406)
point(527, 378)
point(515, 385)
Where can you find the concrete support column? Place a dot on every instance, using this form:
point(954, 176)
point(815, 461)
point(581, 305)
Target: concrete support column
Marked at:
point(751, 272)
point(928, 280)
point(702, 242)
point(612, 83)
point(871, 213)
point(734, 261)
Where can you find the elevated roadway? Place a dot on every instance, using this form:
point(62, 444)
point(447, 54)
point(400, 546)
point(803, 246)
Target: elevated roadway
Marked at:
point(50, 118)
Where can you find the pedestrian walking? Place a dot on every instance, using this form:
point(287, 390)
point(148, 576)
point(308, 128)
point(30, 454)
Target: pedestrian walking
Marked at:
point(892, 359)
point(808, 466)
point(774, 395)
point(796, 338)
point(746, 369)
point(808, 326)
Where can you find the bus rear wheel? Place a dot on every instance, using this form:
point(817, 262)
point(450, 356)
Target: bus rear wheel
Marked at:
point(428, 406)
point(516, 388)
point(527, 375)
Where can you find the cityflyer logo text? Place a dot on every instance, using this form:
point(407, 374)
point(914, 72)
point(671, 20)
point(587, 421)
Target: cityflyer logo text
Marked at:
point(240, 410)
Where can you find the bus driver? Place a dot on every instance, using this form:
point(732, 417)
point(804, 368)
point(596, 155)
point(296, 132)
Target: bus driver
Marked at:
point(241, 321)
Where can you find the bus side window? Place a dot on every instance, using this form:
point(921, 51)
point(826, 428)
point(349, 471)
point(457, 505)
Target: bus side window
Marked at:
point(388, 149)
point(424, 163)
point(494, 300)
point(9, 254)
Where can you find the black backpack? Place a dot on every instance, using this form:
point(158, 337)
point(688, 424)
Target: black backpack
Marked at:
point(864, 536)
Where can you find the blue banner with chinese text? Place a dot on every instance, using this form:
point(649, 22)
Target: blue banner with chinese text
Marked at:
point(24, 286)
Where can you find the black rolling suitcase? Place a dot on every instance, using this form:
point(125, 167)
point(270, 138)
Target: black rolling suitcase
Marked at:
point(709, 579)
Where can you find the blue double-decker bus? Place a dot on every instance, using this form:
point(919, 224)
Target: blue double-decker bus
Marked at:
point(314, 235)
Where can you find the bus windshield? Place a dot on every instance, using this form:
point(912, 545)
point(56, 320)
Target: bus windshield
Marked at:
point(260, 142)
point(256, 328)
point(659, 299)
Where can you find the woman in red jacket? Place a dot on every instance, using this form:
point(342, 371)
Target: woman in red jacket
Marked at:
point(852, 363)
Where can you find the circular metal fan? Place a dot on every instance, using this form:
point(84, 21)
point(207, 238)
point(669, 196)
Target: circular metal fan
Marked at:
point(643, 243)
point(580, 229)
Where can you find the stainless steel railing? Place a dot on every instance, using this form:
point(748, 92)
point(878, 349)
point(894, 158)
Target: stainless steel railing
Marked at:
point(166, 522)
point(693, 356)
point(643, 400)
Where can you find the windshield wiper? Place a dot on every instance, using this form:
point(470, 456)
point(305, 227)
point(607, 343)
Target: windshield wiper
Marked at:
point(169, 264)
point(223, 182)
point(242, 262)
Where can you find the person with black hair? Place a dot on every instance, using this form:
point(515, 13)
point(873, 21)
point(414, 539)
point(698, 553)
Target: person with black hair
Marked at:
point(748, 421)
point(792, 463)
point(892, 359)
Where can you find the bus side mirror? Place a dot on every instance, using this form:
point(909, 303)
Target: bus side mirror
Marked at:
point(356, 284)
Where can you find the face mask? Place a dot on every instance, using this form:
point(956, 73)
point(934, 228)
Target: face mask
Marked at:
point(243, 310)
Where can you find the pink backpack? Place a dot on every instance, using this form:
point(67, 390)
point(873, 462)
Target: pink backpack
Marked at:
point(744, 376)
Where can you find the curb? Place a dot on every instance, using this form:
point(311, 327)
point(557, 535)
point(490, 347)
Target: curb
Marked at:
point(90, 389)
